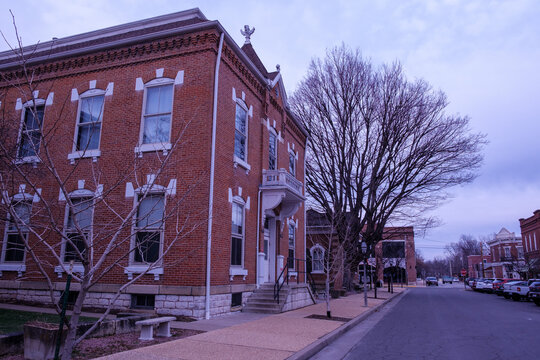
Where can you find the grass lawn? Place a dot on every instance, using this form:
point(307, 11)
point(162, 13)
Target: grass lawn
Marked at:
point(13, 320)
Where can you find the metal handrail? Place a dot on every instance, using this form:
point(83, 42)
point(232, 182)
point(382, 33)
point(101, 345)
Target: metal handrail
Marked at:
point(278, 285)
point(285, 272)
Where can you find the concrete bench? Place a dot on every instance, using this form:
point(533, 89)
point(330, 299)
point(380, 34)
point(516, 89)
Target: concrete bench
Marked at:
point(147, 327)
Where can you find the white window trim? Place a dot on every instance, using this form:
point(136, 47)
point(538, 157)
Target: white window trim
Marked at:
point(135, 267)
point(19, 267)
point(239, 269)
point(90, 153)
point(161, 146)
point(237, 161)
point(35, 158)
point(77, 267)
point(312, 250)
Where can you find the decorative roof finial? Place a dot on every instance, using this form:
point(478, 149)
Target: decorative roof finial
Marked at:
point(278, 68)
point(247, 33)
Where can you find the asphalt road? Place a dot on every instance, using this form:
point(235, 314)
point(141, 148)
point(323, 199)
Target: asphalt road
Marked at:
point(446, 322)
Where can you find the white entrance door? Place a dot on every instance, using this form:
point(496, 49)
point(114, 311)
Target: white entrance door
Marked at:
point(269, 244)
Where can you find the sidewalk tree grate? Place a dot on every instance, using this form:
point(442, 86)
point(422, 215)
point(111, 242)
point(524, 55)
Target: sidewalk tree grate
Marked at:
point(324, 317)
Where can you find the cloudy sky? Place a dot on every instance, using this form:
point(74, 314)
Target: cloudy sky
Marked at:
point(484, 54)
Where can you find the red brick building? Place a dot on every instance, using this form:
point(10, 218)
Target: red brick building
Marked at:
point(166, 115)
point(530, 236)
point(394, 255)
point(506, 255)
point(477, 265)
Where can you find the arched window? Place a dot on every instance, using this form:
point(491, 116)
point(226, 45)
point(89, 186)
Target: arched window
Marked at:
point(317, 259)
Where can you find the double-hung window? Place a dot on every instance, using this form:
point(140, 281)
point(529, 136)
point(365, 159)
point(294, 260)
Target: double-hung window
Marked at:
point(241, 133)
point(290, 262)
point(78, 229)
point(17, 233)
point(31, 131)
point(292, 163)
point(272, 151)
point(237, 234)
point(89, 122)
point(149, 228)
point(157, 114)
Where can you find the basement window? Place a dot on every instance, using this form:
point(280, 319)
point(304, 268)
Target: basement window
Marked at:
point(143, 301)
point(236, 299)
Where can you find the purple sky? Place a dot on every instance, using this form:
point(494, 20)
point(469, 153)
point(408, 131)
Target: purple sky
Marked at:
point(484, 54)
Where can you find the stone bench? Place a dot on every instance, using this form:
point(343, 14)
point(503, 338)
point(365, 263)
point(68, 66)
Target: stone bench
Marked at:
point(147, 327)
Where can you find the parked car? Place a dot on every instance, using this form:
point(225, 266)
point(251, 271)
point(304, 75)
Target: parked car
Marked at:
point(480, 284)
point(447, 279)
point(488, 286)
point(498, 285)
point(530, 281)
point(520, 291)
point(456, 279)
point(469, 281)
point(431, 280)
point(507, 293)
point(473, 282)
point(534, 292)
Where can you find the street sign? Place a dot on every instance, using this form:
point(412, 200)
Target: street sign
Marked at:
point(463, 272)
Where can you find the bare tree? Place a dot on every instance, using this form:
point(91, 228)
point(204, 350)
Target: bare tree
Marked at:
point(87, 223)
point(459, 251)
point(382, 149)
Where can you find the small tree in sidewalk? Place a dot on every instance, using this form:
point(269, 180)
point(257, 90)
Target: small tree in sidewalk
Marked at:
point(329, 256)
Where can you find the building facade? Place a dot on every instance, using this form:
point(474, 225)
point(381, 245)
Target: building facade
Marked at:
point(394, 258)
point(477, 265)
point(530, 236)
point(507, 258)
point(161, 144)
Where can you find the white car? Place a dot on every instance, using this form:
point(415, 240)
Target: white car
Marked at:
point(506, 288)
point(520, 291)
point(480, 284)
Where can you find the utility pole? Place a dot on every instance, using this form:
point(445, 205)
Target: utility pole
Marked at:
point(450, 265)
point(482, 258)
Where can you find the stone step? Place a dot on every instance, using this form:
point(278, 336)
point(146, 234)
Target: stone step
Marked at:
point(265, 299)
point(264, 304)
point(262, 310)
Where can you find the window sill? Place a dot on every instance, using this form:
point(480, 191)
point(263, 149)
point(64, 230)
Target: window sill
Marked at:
point(237, 271)
point(242, 163)
point(165, 147)
point(138, 269)
point(318, 272)
point(94, 154)
point(28, 160)
point(20, 268)
point(77, 268)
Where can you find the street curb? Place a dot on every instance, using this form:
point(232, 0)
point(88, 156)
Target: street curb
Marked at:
point(327, 339)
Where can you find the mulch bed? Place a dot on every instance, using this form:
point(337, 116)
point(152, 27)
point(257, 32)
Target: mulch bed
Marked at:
point(95, 347)
point(324, 317)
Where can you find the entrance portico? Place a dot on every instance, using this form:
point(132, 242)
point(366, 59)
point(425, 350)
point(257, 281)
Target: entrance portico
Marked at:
point(281, 196)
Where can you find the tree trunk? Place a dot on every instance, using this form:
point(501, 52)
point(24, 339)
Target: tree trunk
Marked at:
point(327, 291)
point(73, 322)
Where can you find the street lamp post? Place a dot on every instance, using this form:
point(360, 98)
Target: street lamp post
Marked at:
point(364, 250)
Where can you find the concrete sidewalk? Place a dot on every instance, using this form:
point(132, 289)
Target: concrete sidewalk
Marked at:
point(256, 336)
